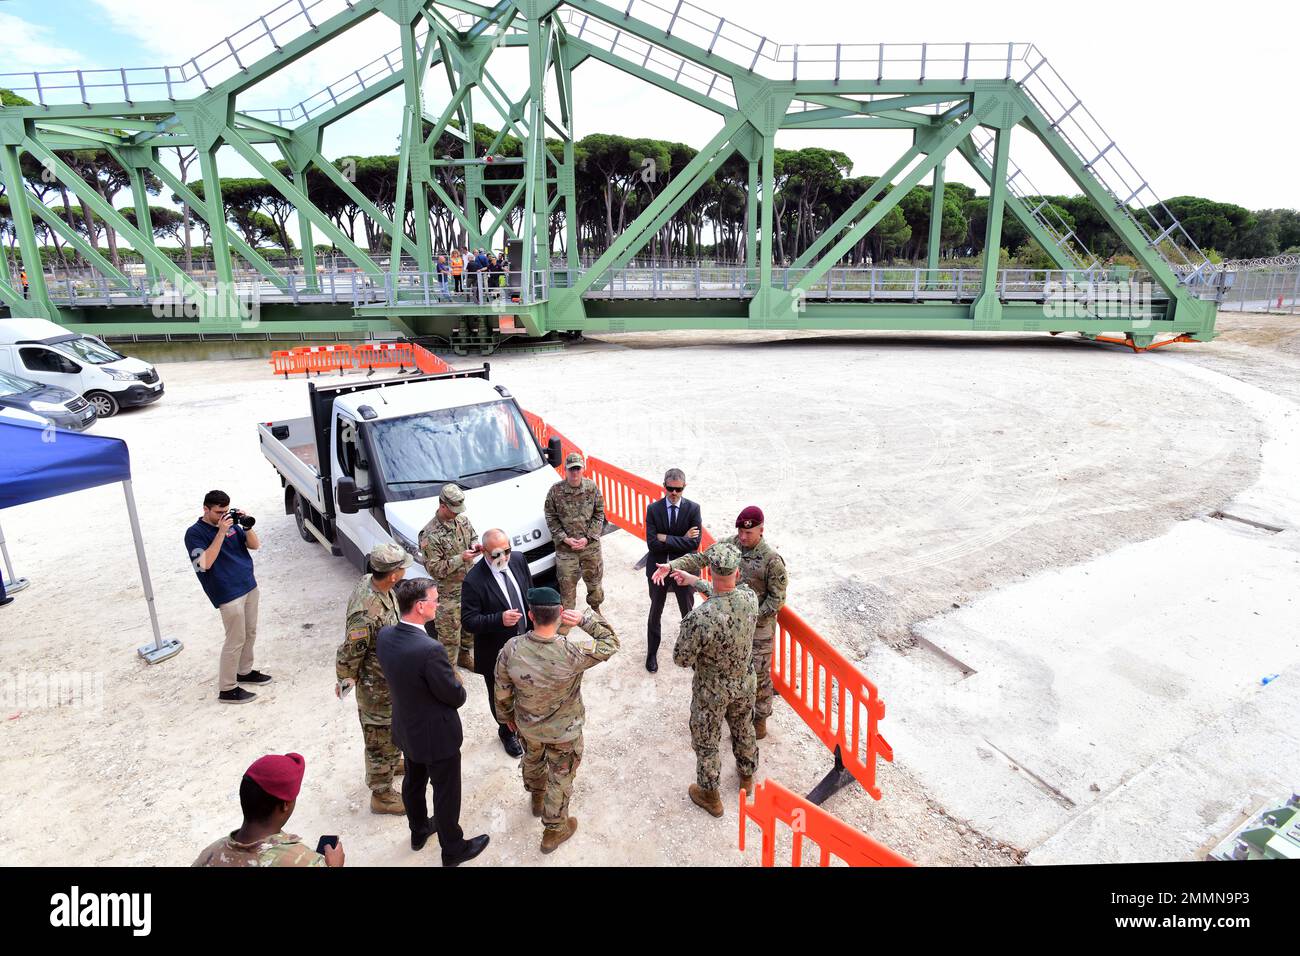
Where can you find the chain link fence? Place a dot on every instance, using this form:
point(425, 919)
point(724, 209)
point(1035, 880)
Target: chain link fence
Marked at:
point(1262, 290)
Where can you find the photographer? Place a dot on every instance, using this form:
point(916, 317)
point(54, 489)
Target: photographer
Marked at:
point(218, 545)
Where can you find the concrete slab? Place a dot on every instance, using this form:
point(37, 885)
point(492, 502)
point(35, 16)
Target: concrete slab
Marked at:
point(1095, 680)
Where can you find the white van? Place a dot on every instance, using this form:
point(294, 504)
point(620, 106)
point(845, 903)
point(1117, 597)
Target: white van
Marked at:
point(50, 354)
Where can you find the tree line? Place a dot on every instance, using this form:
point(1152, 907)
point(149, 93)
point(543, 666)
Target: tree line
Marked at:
point(617, 177)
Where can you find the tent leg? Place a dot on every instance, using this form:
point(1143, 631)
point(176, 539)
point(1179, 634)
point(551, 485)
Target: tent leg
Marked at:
point(12, 583)
point(161, 650)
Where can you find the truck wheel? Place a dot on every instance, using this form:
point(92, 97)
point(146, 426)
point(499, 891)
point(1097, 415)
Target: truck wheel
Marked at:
point(105, 404)
point(301, 513)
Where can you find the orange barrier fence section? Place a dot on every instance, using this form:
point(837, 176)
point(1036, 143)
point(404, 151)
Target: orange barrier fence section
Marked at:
point(324, 358)
point(375, 355)
point(841, 706)
point(284, 362)
point(807, 821)
point(427, 362)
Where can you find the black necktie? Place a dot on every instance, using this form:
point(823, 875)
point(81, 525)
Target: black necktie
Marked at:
point(515, 603)
point(672, 516)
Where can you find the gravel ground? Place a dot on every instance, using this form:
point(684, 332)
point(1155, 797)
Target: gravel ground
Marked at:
point(901, 475)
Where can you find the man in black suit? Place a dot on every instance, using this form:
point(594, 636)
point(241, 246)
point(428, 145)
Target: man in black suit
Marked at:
point(494, 608)
point(426, 694)
point(672, 529)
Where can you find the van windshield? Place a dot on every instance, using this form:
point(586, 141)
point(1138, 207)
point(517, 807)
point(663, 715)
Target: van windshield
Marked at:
point(78, 347)
point(472, 445)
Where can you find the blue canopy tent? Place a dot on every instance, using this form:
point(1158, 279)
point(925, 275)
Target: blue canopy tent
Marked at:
point(38, 463)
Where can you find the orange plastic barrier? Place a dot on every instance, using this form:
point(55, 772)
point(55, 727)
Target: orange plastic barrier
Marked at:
point(626, 495)
point(427, 362)
point(323, 358)
point(374, 355)
point(807, 821)
point(284, 362)
point(841, 706)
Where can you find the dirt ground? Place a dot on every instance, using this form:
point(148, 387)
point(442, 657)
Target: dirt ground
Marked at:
point(901, 475)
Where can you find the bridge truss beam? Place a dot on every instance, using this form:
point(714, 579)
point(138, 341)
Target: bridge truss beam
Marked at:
point(462, 40)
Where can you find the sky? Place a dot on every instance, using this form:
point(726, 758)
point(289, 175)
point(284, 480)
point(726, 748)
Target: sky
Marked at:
point(1200, 99)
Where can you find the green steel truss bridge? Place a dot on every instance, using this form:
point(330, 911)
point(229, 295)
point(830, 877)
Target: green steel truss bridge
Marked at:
point(957, 99)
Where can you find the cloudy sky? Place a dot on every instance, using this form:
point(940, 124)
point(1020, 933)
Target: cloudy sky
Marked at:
point(1196, 94)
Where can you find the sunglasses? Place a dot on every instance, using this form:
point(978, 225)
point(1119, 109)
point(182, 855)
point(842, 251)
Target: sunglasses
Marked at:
point(497, 552)
point(676, 491)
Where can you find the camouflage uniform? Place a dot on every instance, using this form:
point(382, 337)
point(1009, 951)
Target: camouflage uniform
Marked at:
point(717, 640)
point(764, 571)
point(539, 690)
point(577, 513)
point(368, 611)
point(441, 546)
point(279, 849)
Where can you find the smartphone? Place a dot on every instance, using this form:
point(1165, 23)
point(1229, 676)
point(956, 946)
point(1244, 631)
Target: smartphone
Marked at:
point(326, 841)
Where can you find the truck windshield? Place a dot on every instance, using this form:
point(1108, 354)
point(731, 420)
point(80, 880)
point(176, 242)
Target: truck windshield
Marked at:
point(472, 445)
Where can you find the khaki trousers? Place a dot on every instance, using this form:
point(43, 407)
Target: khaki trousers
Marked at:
point(240, 619)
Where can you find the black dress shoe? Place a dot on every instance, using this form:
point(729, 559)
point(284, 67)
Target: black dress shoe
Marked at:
point(472, 849)
point(511, 744)
point(5, 602)
point(418, 840)
point(652, 665)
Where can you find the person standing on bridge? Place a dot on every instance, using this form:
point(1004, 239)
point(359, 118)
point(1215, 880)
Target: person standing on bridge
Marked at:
point(763, 569)
point(457, 268)
point(22, 278)
point(575, 515)
point(444, 272)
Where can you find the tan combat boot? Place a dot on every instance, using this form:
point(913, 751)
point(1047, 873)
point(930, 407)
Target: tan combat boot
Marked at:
point(390, 801)
point(760, 728)
point(465, 659)
point(536, 799)
point(553, 838)
point(705, 799)
point(747, 784)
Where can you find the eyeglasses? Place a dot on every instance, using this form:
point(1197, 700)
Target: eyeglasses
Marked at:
point(497, 552)
point(674, 491)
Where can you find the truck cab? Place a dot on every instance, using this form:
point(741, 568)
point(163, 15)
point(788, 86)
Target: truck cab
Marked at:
point(367, 467)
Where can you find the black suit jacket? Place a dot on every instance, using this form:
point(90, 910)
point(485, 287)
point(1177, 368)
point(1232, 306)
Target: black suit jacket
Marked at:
point(656, 523)
point(482, 605)
point(425, 693)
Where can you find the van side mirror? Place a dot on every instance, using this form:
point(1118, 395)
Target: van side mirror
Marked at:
point(349, 498)
point(554, 453)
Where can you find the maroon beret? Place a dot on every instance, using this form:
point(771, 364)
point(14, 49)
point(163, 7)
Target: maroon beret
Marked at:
point(280, 775)
point(751, 517)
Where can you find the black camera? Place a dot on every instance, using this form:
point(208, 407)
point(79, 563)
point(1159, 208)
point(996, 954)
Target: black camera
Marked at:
point(245, 521)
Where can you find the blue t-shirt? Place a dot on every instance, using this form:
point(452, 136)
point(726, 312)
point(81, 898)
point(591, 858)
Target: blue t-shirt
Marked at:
point(231, 575)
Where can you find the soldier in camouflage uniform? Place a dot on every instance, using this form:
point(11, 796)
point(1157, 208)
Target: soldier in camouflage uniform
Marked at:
point(267, 795)
point(356, 664)
point(575, 515)
point(764, 571)
point(449, 545)
point(539, 697)
point(717, 639)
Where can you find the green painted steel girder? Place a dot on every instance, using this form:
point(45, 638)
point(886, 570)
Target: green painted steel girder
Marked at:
point(752, 109)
